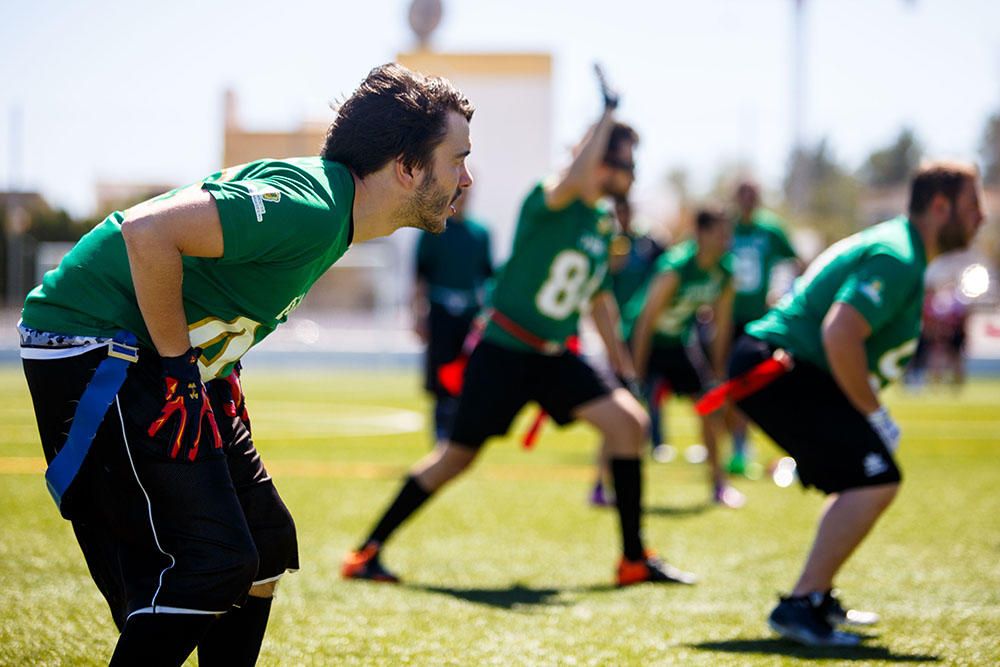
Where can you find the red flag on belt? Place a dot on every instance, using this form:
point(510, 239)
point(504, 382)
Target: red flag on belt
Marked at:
point(746, 384)
point(531, 435)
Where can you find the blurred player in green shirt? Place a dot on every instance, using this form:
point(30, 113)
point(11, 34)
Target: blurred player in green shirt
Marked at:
point(759, 247)
point(850, 325)
point(694, 274)
point(558, 267)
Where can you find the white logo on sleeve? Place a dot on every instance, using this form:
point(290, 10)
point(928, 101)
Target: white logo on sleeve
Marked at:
point(875, 464)
point(873, 290)
point(258, 197)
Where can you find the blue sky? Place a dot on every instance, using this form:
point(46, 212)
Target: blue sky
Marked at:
point(118, 90)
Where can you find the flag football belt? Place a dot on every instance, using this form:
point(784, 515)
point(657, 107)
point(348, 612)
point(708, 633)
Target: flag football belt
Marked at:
point(537, 343)
point(90, 412)
point(747, 383)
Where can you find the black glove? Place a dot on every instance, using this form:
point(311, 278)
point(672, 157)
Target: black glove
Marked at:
point(611, 96)
point(185, 406)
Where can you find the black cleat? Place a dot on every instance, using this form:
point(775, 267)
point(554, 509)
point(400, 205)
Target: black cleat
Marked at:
point(801, 619)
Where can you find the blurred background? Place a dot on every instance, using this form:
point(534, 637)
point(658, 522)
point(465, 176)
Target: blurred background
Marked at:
point(829, 104)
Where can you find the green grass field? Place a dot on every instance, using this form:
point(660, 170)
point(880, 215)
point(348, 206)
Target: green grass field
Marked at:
point(510, 567)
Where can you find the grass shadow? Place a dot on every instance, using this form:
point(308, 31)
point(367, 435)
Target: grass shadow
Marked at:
point(677, 510)
point(776, 646)
point(513, 597)
point(518, 596)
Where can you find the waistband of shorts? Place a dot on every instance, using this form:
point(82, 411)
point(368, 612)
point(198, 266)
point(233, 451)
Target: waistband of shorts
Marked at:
point(38, 344)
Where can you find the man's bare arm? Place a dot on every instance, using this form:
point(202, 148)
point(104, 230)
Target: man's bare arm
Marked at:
point(156, 235)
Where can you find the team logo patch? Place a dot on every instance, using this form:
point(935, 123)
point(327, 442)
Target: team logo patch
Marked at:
point(873, 290)
point(604, 224)
point(875, 464)
point(271, 195)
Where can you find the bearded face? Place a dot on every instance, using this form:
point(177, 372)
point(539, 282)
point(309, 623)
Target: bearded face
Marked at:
point(963, 222)
point(430, 205)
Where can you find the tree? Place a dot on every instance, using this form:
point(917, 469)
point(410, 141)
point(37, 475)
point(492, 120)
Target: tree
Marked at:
point(826, 191)
point(895, 163)
point(989, 150)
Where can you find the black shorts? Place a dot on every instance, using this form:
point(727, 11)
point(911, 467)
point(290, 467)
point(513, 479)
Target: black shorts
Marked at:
point(161, 534)
point(683, 369)
point(499, 381)
point(806, 414)
point(445, 335)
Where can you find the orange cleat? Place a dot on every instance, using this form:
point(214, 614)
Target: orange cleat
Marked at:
point(651, 569)
point(365, 564)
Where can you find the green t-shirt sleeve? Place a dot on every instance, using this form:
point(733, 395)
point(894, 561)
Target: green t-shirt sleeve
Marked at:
point(782, 247)
point(263, 223)
point(878, 288)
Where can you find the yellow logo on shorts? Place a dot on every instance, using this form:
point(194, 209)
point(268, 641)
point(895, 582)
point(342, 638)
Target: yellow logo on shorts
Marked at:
point(271, 195)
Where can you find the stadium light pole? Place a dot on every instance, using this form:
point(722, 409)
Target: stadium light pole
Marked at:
point(799, 185)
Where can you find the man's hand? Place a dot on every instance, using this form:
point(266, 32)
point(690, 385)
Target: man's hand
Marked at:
point(611, 96)
point(885, 427)
point(186, 406)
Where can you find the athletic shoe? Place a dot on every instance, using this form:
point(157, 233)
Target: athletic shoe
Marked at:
point(364, 564)
point(728, 496)
point(664, 453)
point(801, 620)
point(737, 464)
point(598, 497)
point(837, 615)
point(651, 569)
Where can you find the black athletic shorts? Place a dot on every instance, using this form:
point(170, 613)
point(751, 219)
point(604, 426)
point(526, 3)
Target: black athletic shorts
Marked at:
point(684, 370)
point(163, 535)
point(499, 381)
point(445, 336)
point(807, 415)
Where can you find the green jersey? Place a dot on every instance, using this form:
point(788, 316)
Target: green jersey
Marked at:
point(455, 264)
point(696, 287)
point(558, 262)
point(757, 246)
point(880, 272)
point(637, 257)
point(284, 222)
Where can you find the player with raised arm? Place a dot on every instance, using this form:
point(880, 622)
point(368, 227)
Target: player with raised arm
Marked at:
point(848, 327)
point(132, 345)
point(559, 265)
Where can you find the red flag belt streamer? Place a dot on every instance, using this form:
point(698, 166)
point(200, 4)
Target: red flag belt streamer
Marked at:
point(746, 384)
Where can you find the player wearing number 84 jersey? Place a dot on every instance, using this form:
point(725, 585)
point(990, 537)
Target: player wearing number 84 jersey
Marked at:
point(559, 264)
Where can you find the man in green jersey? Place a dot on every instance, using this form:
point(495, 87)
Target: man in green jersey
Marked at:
point(759, 246)
point(850, 324)
point(559, 264)
point(180, 524)
point(692, 275)
point(452, 270)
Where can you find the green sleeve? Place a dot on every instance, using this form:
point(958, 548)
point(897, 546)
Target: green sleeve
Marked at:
point(879, 288)
point(782, 247)
point(262, 223)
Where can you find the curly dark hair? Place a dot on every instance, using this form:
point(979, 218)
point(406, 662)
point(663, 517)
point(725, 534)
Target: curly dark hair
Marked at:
point(394, 113)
